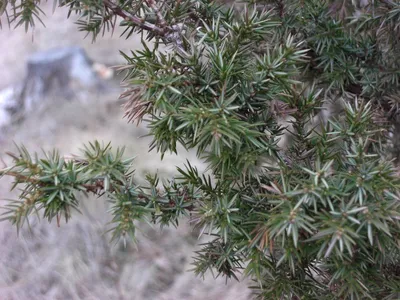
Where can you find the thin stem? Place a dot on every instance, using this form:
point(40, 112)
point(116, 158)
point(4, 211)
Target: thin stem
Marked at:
point(134, 19)
point(154, 7)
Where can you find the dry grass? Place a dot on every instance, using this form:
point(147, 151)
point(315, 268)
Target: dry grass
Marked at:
point(76, 260)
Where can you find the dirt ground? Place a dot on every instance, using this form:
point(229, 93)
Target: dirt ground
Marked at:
point(76, 260)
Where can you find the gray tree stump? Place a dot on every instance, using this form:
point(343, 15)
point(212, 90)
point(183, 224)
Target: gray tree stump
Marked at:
point(51, 76)
point(58, 72)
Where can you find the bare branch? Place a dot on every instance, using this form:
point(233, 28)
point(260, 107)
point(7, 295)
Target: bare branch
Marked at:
point(134, 19)
point(154, 7)
point(172, 34)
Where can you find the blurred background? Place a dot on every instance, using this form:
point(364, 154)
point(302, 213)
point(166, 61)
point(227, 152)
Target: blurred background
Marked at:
point(76, 261)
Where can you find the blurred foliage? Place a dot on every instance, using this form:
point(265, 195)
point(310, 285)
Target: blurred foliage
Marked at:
point(317, 218)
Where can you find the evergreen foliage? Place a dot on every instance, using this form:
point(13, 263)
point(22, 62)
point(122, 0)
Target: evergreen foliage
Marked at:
point(317, 218)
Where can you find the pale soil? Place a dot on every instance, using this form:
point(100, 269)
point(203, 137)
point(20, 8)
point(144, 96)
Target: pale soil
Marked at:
point(76, 261)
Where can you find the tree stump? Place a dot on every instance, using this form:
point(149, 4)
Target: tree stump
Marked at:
point(54, 75)
point(58, 72)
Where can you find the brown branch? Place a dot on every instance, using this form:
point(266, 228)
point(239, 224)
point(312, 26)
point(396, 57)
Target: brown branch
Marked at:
point(93, 188)
point(168, 33)
point(134, 19)
point(97, 187)
point(23, 178)
point(154, 7)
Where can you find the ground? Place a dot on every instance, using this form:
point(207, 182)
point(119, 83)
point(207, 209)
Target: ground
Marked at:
point(76, 261)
